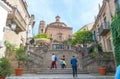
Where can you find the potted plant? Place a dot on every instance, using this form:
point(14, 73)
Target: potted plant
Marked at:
point(5, 68)
point(21, 58)
point(100, 57)
point(102, 68)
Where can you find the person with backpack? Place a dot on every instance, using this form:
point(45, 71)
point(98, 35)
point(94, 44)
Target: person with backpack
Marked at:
point(54, 59)
point(53, 64)
point(64, 63)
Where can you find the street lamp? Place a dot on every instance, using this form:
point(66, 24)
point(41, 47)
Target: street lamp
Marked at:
point(12, 27)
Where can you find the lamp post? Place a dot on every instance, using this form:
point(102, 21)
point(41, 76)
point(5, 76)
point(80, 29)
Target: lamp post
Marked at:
point(28, 43)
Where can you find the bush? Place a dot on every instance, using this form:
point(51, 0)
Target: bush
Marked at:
point(5, 67)
point(21, 56)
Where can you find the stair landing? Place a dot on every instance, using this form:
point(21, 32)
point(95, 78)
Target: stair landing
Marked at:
point(60, 76)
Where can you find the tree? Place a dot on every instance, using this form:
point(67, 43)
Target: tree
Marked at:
point(82, 38)
point(43, 35)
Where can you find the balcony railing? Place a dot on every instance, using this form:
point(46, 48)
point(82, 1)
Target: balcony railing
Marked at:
point(15, 16)
point(103, 30)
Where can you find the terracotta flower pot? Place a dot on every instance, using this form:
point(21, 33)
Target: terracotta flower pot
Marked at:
point(18, 71)
point(2, 77)
point(102, 71)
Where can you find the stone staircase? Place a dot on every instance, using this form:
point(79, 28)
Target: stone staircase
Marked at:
point(87, 60)
point(53, 71)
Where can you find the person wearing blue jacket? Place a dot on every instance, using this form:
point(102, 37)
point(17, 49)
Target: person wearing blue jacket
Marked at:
point(73, 62)
point(117, 74)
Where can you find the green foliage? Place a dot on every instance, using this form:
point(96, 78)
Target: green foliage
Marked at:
point(100, 48)
point(91, 49)
point(10, 47)
point(5, 67)
point(66, 42)
point(82, 37)
point(21, 55)
point(103, 55)
point(32, 41)
point(43, 35)
point(115, 29)
point(73, 41)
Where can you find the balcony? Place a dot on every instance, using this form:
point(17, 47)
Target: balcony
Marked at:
point(15, 16)
point(103, 30)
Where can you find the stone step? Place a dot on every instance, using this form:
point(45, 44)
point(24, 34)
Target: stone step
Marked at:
point(55, 71)
point(59, 76)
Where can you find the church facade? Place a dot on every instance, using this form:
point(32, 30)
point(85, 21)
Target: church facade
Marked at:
point(58, 31)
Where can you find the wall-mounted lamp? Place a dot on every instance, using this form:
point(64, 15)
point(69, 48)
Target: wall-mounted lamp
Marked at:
point(1, 44)
point(12, 27)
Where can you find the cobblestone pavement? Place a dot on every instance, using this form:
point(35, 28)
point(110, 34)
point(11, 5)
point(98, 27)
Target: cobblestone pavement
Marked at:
point(60, 76)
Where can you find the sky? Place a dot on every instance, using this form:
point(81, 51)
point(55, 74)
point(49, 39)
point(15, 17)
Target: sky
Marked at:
point(74, 13)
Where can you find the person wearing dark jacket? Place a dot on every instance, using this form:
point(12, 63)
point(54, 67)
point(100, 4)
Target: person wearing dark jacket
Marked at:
point(73, 62)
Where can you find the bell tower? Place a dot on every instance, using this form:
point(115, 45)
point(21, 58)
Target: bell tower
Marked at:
point(41, 27)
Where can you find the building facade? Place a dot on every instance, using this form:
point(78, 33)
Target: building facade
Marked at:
point(58, 31)
point(101, 27)
point(17, 22)
point(87, 27)
point(4, 9)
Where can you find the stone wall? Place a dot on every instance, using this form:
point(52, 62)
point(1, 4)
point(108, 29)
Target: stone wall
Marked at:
point(94, 65)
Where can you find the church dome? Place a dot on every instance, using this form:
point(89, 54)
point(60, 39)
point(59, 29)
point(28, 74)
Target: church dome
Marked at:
point(57, 23)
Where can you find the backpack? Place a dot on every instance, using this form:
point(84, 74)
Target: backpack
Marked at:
point(64, 62)
point(56, 58)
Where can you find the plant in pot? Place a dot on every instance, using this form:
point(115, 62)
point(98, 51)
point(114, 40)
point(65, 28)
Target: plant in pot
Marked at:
point(21, 57)
point(99, 56)
point(5, 68)
point(102, 67)
point(105, 58)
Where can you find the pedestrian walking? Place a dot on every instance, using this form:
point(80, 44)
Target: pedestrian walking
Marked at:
point(73, 62)
point(54, 59)
point(64, 63)
point(63, 57)
point(61, 63)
